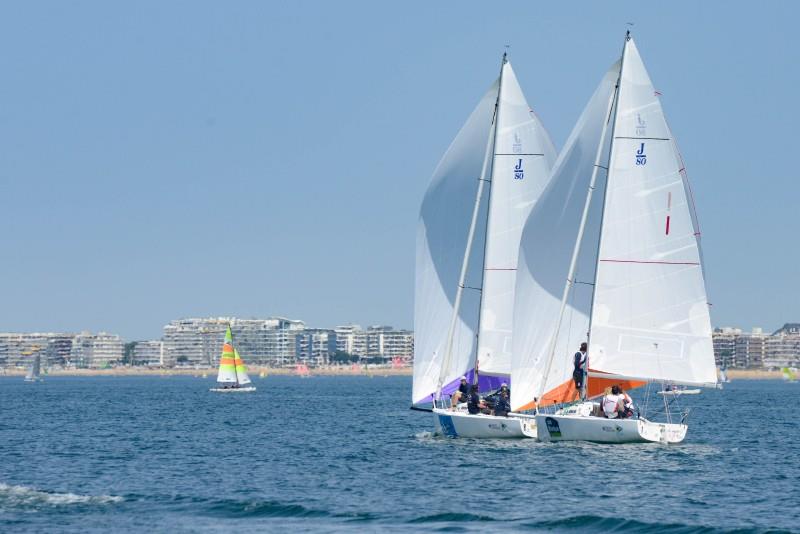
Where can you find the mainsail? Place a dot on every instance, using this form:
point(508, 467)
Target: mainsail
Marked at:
point(231, 366)
point(449, 314)
point(635, 282)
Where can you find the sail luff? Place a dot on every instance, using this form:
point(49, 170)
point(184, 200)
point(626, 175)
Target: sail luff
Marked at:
point(445, 367)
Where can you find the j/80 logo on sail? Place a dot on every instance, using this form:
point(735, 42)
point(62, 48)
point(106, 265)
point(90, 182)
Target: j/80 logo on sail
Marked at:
point(519, 174)
point(641, 157)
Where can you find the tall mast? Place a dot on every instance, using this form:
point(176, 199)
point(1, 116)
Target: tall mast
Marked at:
point(470, 238)
point(488, 217)
point(584, 216)
point(603, 211)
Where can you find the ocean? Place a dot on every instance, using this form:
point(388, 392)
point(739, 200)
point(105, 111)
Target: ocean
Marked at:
point(136, 454)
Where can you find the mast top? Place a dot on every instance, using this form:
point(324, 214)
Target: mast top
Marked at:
point(505, 55)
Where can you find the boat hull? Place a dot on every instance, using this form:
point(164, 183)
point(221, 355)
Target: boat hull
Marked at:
point(248, 389)
point(458, 424)
point(602, 430)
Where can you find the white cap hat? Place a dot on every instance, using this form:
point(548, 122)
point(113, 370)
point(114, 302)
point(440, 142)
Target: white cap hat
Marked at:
point(463, 378)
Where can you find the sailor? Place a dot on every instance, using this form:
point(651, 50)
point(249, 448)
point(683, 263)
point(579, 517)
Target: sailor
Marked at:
point(461, 394)
point(579, 373)
point(612, 405)
point(627, 404)
point(502, 404)
point(474, 404)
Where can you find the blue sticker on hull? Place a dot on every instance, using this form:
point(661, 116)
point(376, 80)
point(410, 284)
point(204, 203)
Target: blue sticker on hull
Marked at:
point(552, 427)
point(448, 428)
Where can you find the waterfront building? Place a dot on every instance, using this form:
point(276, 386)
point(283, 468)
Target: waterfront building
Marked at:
point(351, 339)
point(315, 347)
point(198, 341)
point(19, 349)
point(148, 353)
point(387, 343)
point(783, 347)
point(96, 351)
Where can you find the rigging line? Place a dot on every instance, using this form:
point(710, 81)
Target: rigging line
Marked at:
point(517, 154)
point(470, 287)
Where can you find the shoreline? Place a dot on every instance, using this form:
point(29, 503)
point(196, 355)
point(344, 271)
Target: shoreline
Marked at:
point(253, 371)
point(733, 374)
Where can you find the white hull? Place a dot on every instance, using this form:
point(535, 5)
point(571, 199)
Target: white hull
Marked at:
point(248, 389)
point(602, 430)
point(464, 425)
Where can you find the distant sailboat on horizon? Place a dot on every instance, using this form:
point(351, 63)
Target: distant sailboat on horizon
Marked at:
point(35, 371)
point(232, 376)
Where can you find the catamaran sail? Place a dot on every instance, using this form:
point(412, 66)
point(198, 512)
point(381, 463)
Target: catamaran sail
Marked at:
point(635, 250)
point(468, 238)
point(232, 374)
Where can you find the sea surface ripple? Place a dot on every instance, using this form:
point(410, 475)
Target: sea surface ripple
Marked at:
point(345, 454)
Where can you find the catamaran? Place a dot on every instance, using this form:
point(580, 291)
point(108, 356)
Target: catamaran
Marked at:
point(35, 371)
point(467, 242)
point(789, 374)
point(618, 224)
point(232, 376)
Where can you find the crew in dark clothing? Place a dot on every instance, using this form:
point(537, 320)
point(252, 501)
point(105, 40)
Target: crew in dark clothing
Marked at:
point(580, 368)
point(474, 404)
point(461, 394)
point(502, 405)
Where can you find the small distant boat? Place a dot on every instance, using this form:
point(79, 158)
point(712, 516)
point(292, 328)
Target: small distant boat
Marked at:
point(675, 391)
point(723, 376)
point(789, 374)
point(232, 376)
point(302, 370)
point(262, 374)
point(35, 372)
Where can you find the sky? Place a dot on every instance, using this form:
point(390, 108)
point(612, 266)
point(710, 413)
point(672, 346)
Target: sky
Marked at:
point(161, 160)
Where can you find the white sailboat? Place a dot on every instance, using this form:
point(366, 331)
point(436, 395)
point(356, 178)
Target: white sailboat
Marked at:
point(467, 243)
point(618, 220)
point(35, 372)
point(232, 376)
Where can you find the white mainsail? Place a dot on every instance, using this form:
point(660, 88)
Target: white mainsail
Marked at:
point(523, 156)
point(546, 250)
point(650, 318)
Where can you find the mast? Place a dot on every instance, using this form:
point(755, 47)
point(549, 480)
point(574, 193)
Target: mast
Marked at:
point(603, 211)
point(235, 374)
point(582, 227)
point(470, 238)
point(488, 216)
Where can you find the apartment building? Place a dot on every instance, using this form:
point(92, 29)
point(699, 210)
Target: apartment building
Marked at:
point(96, 351)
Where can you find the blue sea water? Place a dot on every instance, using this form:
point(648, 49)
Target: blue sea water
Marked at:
point(346, 454)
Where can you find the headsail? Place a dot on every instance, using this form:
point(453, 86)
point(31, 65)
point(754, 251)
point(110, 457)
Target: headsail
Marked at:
point(545, 253)
point(523, 156)
point(650, 318)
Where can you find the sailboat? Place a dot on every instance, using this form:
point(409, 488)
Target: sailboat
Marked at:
point(232, 376)
point(468, 235)
point(789, 374)
point(35, 371)
point(618, 222)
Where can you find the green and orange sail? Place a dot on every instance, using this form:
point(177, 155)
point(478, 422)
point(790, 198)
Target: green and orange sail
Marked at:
point(231, 366)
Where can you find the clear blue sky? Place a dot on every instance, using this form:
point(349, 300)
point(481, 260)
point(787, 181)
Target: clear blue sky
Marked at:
point(170, 159)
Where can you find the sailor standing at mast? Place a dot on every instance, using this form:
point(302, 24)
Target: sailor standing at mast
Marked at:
point(579, 374)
